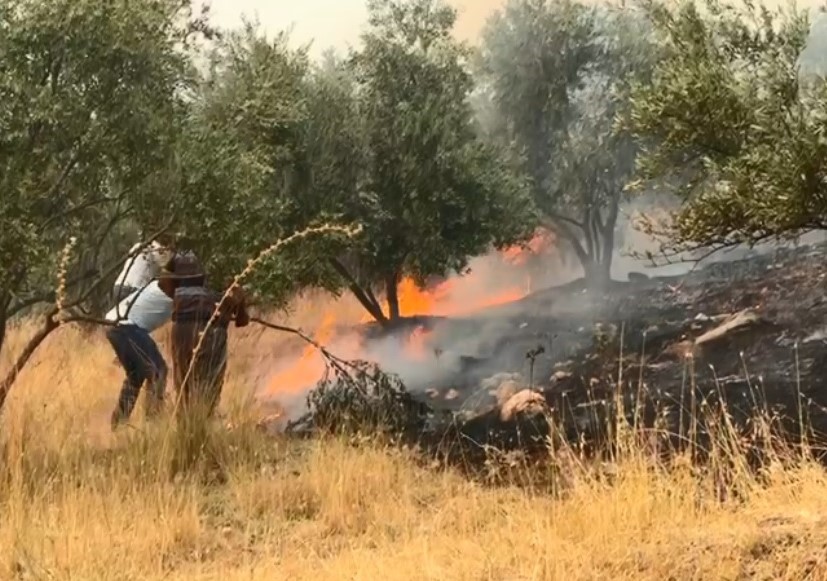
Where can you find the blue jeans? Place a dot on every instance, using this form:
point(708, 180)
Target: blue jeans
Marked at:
point(142, 361)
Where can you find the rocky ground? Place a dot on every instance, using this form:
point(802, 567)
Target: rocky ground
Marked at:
point(751, 333)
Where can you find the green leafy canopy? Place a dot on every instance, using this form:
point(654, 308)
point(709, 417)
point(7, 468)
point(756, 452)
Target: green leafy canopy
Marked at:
point(732, 110)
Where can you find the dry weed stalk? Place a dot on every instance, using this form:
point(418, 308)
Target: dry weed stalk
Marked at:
point(63, 267)
point(348, 231)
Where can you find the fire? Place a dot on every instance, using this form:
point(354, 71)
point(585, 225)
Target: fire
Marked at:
point(453, 297)
point(539, 245)
point(305, 370)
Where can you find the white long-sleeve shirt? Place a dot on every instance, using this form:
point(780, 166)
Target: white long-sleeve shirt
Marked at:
point(148, 308)
point(138, 271)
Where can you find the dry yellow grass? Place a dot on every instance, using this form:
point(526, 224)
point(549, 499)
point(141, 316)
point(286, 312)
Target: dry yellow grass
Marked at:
point(80, 503)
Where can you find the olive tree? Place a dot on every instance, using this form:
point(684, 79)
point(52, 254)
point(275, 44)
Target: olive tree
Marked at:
point(431, 193)
point(89, 97)
point(557, 75)
point(737, 119)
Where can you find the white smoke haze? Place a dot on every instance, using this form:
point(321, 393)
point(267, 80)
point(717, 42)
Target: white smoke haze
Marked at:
point(437, 359)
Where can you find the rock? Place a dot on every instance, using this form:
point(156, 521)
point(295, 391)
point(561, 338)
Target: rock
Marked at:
point(525, 401)
point(637, 277)
point(495, 381)
point(736, 322)
point(507, 389)
point(559, 376)
point(452, 394)
point(432, 393)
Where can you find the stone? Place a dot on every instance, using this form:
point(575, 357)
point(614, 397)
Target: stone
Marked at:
point(493, 383)
point(736, 322)
point(526, 401)
point(452, 394)
point(506, 390)
point(559, 376)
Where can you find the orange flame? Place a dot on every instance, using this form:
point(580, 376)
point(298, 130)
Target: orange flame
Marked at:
point(305, 370)
point(453, 297)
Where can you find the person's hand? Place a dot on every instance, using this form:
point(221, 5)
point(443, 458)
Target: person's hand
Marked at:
point(238, 295)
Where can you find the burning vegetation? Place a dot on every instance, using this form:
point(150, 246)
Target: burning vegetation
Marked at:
point(490, 282)
point(736, 339)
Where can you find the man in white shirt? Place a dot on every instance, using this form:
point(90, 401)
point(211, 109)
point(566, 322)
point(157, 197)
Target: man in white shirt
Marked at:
point(140, 268)
point(136, 317)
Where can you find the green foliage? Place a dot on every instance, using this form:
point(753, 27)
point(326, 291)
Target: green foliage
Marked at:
point(558, 75)
point(433, 194)
point(238, 150)
point(88, 98)
point(731, 109)
point(384, 139)
point(357, 397)
point(107, 129)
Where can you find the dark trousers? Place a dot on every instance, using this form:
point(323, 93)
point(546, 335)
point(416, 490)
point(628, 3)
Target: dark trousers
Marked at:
point(202, 388)
point(142, 361)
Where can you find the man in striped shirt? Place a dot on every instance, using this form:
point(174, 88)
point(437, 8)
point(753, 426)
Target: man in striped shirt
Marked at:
point(199, 376)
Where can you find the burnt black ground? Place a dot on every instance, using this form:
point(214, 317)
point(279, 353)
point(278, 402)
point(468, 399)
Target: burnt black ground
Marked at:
point(778, 364)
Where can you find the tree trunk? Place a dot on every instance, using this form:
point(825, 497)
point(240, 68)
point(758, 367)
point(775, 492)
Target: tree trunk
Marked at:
point(367, 301)
point(600, 240)
point(597, 273)
point(3, 323)
point(49, 325)
point(392, 292)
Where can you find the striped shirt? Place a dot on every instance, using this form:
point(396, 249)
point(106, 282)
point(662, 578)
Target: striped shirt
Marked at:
point(197, 304)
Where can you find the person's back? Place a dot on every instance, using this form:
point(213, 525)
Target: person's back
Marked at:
point(194, 305)
point(140, 268)
point(148, 308)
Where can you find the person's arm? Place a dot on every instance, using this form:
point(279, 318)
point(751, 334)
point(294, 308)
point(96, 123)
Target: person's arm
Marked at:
point(242, 317)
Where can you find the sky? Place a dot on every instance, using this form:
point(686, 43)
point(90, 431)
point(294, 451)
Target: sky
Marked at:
point(338, 23)
point(334, 23)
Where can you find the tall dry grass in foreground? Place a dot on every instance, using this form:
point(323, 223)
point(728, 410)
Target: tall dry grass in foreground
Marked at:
point(81, 503)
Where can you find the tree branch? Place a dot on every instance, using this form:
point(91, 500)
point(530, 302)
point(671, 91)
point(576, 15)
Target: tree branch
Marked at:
point(50, 296)
point(64, 174)
point(561, 229)
point(53, 218)
point(566, 220)
point(113, 221)
point(337, 362)
point(49, 325)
